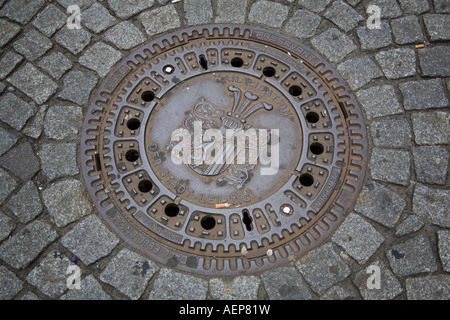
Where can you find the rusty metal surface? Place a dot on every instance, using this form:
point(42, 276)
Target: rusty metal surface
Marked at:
point(223, 219)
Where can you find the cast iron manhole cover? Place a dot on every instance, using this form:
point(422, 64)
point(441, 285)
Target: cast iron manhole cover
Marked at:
point(167, 175)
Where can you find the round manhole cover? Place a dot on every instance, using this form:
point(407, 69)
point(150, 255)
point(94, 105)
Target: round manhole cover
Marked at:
point(224, 149)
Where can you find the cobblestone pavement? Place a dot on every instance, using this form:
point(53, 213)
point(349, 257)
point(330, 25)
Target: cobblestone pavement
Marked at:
point(401, 221)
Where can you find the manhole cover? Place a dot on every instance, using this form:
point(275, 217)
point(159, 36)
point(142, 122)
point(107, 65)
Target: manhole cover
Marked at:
point(224, 149)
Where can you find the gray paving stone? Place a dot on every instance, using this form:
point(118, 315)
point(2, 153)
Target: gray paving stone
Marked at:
point(7, 140)
point(9, 61)
point(7, 184)
point(126, 9)
point(6, 226)
point(339, 293)
point(74, 40)
point(435, 61)
point(412, 257)
point(10, 285)
point(314, 5)
point(125, 35)
point(160, 20)
point(359, 71)
point(431, 127)
point(172, 285)
point(233, 11)
point(442, 6)
point(358, 238)
point(334, 44)
point(303, 24)
point(237, 288)
point(24, 246)
point(63, 122)
point(32, 45)
point(423, 94)
point(436, 287)
point(9, 31)
point(431, 164)
point(77, 86)
point(21, 161)
point(437, 26)
point(343, 15)
point(100, 58)
point(33, 83)
point(411, 223)
point(375, 38)
point(26, 204)
point(30, 296)
point(198, 11)
point(14, 111)
point(97, 18)
point(432, 204)
point(414, 6)
point(389, 285)
point(391, 133)
point(390, 165)
point(55, 64)
point(388, 8)
point(49, 20)
point(322, 268)
point(397, 63)
point(268, 13)
point(58, 159)
point(380, 204)
point(90, 240)
point(21, 10)
point(129, 272)
point(90, 289)
point(83, 4)
point(66, 201)
point(285, 283)
point(34, 128)
point(49, 276)
point(407, 30)
point(444, 248)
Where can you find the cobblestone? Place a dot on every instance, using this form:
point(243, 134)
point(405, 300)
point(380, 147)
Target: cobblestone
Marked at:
point(390, 165)
point(431, 127)
point(314, 5)
point(125, 35)
point(58, 159)
point(90, 240)
point(303, 24)
point(7, 64)
point(55, 64)
point(97, 18)
point(49, 20)
point(359, 71)
point(375, 38)
point(238, 288)
point(432, 204)
point(414, 6)
point(407, 30)
point(322, 268)
point(14, 111)
point(428, 288)
point(198, 11)
point(411, 257)
point(26, 204)
point(23, 247)
point(343, 15)
point(411, 223)
point(268, 13)
point(7, 140)
point(66, 202)
point(74, 40)
point(63, 122)
point(444, 248)
point(34, 127)
point(388, 8)
point(171, 285)
point(379, 101)
point(9, 30)
point(233, 11)
point(397, 63)
point(160, 20)
point(423, 94)
point(435, 61)
point(436, 26)
point(77, 86)
point(126, 9)
point(7, 184)
point(21, 161)
point(10, 285)
point(90, 289)
point(6, 225)
point(130, 273)
point(358, 238)
point(285, 284)
point(333, 44)
point(391, 133)
point(431, 164)
point(21, 10)
point(100, 58)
